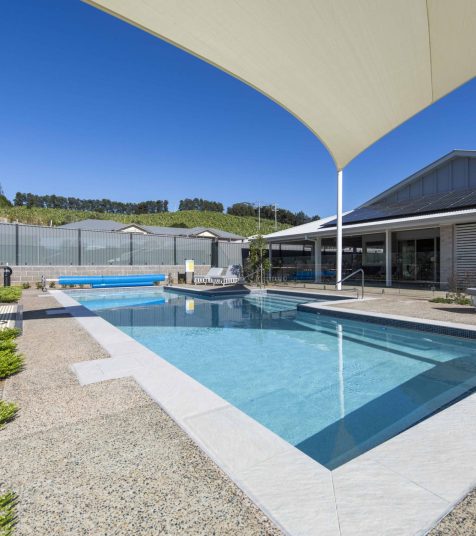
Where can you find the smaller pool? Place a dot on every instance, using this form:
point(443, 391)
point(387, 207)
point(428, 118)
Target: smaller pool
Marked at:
point(332, 387)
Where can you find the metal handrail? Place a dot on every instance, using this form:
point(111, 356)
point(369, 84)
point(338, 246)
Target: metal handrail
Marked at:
point(350, 275)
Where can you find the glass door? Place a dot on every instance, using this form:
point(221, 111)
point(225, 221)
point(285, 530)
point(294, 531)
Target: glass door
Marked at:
point(406, 260)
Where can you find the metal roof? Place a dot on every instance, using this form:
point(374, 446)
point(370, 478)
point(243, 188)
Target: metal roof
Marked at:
point(305, 228)
point(111, 225)
point(414, 176)
point(440, 202)
point(94, 225)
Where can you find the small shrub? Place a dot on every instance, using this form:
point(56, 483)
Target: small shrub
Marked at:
point(9, 333)
point(39, 285)
point(25, 285)
point(7, 513)
point(52, 284)
point(8, 410)
point(10, 363)
point(8, 344)
point(453, 297)
point(10, 294)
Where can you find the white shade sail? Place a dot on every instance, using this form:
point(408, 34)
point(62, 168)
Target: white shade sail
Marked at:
point(350, 70)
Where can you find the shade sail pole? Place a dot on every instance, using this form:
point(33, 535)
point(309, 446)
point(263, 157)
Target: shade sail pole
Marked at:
point(339, 232)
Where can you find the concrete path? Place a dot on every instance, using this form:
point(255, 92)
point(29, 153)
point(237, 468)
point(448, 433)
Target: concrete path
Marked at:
point(104, 459)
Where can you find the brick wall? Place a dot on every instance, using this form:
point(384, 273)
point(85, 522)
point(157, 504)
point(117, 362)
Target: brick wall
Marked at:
point(32, 274)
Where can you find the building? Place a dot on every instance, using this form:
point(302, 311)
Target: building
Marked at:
point(420, 232)
point(111, 225)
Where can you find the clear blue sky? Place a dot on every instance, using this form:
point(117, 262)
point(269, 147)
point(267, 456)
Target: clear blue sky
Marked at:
point(93, 107)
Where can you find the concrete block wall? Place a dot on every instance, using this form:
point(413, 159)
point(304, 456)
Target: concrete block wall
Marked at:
point(447, 256)
point(32, 274)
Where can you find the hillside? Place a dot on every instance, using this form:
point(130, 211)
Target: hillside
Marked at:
point(245, 226)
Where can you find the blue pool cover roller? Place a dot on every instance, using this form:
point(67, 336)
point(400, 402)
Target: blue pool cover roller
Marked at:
point(103, 281)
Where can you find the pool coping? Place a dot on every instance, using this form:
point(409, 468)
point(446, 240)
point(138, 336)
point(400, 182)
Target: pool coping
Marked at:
point(453, 329)
point(424, 471)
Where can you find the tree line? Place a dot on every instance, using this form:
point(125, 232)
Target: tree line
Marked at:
point(285, 216)
point(268, 212)
point(200, 204)
point(94, 205)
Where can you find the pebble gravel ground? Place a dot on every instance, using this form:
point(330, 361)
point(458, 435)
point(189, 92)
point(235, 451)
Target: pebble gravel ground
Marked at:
point(461, 521)
point(420, 308)
point(104, 459)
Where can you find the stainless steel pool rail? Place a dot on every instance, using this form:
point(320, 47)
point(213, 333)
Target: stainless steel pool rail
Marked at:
point(361, 270)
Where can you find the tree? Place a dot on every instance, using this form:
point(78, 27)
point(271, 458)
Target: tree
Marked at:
point(4, 202)
point(257, 264)
point(241, 209)
point(200, 204)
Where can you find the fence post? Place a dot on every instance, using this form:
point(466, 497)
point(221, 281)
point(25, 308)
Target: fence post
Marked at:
point(175, 251)
point(79, 247)
point(17, 245)
point(131, 250)
point(214, 253)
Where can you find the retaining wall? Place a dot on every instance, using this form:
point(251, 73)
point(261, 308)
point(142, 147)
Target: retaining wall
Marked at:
point(32, 274)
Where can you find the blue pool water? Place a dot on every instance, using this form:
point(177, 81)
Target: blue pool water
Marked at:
point(334, 388)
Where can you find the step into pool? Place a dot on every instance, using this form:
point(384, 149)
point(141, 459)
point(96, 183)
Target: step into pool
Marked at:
point(332, 387)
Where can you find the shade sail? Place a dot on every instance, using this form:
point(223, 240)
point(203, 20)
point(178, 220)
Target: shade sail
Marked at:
point(350, 70)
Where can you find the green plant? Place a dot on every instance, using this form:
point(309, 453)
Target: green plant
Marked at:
point(258, 264)
point(10, 294)
point(25, 285)
point(9, 333)
point(8, 410)
point(10, 363)
point(52, 284)
point(39, 285)
point(8, 344)
point(8, 502)
point(453, 297)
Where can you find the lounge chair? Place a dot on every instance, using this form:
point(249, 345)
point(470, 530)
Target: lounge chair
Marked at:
point(207, 278)
point(231, 276)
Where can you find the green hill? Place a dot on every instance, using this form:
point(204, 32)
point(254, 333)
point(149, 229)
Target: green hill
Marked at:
point(245, 226)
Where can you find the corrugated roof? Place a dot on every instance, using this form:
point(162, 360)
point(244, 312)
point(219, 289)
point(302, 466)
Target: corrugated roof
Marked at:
point(111, 225)
point(94, 225)
point(303, 229)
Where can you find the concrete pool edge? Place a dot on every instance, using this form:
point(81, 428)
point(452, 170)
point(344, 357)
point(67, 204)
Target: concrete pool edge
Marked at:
point(452, 329)
point(299, 495)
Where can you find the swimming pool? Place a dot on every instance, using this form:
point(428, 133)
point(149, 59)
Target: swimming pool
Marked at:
point(332, 387)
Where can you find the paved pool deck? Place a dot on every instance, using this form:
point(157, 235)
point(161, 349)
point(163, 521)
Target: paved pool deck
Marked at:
point(104, 459)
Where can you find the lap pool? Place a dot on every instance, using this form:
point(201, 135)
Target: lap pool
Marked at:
point(332, 387)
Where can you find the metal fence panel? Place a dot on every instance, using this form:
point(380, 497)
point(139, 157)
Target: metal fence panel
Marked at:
point(47, 246)
point(35, 245)
point(8, 244)
point(148, 250)
point(230, 253)
point(198, 249)
point(105, 248)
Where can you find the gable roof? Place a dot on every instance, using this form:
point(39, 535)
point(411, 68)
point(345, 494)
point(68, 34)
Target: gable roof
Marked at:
point(92, 224)
point(111, 225)
point(440, 202)
point(415, 176)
